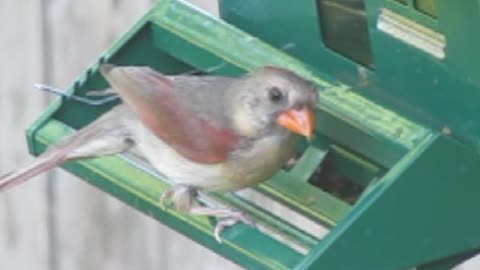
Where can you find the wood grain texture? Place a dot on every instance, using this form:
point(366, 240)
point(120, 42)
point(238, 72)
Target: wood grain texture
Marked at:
point(23, 227)
point(93, 229)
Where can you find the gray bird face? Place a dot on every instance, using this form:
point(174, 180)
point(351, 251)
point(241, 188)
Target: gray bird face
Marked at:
point(273, 98)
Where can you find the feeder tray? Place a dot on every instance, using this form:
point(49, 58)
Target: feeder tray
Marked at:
point(391, 190)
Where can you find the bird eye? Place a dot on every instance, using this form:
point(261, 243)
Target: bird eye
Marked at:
point(275, 94)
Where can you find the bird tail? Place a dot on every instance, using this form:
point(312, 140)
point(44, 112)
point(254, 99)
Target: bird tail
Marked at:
point(105, 136)
point(45, 162)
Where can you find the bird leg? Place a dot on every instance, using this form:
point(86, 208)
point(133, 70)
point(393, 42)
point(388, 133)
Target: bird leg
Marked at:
point(183, 197)
point(227, 217)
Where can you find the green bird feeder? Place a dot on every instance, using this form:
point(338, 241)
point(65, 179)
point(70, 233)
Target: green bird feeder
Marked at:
point(393, 171)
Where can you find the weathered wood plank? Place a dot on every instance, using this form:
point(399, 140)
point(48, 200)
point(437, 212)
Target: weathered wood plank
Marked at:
point(93, 230)
point(23, 227)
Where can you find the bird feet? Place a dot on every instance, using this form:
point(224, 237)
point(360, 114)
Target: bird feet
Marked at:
point(236, 217)
point(183, 198)
point(227, 218)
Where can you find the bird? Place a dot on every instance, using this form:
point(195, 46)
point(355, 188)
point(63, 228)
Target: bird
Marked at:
point(203, 133)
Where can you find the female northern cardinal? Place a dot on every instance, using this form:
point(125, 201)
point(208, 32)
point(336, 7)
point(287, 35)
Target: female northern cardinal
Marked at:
point(201, 132)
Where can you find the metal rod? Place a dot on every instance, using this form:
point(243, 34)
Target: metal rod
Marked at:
point(63, 93)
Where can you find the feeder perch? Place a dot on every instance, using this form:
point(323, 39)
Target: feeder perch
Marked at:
point(382, 175)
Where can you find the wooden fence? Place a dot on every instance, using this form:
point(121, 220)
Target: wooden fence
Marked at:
point(57, 221)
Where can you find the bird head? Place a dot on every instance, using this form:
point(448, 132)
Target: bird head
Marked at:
point(272, 98)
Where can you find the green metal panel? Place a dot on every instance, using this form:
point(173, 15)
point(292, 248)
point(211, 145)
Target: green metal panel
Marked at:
point(140, 189)
point(438, 92)
point(418, 213)
point(448, 263)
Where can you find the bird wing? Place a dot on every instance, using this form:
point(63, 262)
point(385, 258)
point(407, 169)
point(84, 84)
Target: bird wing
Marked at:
point(154, 99)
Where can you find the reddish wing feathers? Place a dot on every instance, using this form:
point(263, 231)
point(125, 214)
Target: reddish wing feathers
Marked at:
point(152, 97)
point(191, 136)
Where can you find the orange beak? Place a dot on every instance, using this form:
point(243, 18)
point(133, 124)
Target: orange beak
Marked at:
point(298, 121)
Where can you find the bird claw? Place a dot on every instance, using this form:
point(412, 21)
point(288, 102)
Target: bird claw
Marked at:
point(182, 197)
point(236, 217)
point(179, 196)
point(165, 197)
